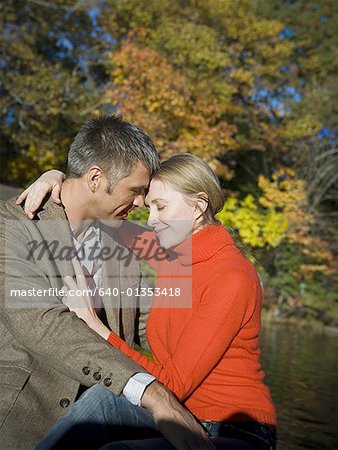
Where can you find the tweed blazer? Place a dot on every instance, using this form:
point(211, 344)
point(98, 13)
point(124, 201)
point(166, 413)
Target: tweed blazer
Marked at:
point(46, 351)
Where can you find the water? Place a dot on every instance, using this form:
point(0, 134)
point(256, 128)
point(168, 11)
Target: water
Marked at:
point(302, 373)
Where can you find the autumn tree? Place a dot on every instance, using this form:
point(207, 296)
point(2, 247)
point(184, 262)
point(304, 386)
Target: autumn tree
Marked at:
point(49, 70)
point(241, 83)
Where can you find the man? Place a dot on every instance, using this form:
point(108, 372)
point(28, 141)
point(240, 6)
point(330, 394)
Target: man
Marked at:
point(46, 353)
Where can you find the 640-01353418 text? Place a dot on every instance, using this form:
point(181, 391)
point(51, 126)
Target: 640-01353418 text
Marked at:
point(143, 292)
point(114, 292)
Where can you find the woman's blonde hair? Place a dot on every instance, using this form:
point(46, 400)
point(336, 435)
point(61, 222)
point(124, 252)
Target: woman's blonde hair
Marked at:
point(190, 175)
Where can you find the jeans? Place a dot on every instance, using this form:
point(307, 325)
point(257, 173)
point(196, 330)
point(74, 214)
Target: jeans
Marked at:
point(225, 435)
point(96, 418)
point(99, 419)
point(256, 435)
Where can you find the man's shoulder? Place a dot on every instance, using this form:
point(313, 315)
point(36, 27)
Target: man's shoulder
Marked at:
point(48, 210)
point(10, 210)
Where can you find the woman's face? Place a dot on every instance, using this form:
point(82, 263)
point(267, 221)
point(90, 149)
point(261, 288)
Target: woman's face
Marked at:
point(170, 215)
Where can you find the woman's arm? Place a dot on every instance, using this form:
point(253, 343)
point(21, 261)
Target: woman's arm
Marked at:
point(206, 338)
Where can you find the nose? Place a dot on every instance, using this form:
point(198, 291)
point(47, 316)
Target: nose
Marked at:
point(139, 201)
point(152, 218)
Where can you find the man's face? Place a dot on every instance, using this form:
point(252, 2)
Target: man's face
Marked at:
point(127, 194)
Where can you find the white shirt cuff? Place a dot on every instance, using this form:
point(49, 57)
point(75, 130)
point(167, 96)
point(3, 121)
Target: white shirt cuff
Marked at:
point(135, 387)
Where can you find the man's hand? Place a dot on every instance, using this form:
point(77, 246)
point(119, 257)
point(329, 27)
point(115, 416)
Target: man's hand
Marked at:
point(174, 421)
point(50, 181)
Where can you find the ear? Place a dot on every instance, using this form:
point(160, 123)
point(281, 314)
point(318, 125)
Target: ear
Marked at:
point(94, 177)
point(202, 202)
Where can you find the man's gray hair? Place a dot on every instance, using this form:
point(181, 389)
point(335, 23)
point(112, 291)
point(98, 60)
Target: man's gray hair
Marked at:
point(114, 145)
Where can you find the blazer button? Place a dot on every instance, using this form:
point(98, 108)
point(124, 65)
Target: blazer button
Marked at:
point(64, 402)
point(97, 376)
point(107, 382)
point(86, 370)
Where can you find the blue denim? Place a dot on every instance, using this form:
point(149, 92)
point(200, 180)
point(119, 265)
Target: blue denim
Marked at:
point(225, 435)
point(99, 419)
point(96, 418)
point(163, 444)
point(257, 435)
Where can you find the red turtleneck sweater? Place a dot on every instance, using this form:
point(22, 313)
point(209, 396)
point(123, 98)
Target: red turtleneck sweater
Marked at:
point(208, 354)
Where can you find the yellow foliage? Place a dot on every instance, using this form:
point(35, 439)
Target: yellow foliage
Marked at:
point(243, 77)
point(282, 212)
point(275, 228)
point(287, 194)
point(32, 162)
point(257, 227)
point(301, 128)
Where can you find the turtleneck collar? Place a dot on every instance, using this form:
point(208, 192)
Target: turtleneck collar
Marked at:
point(208, 241)
point(203, 244)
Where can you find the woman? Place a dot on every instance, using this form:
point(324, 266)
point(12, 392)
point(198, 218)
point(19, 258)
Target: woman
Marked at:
point(207, 354)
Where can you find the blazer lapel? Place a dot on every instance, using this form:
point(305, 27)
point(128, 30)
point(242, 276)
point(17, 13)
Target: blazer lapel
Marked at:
point(54, 227)
point(110, 283)
point(120, 272)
